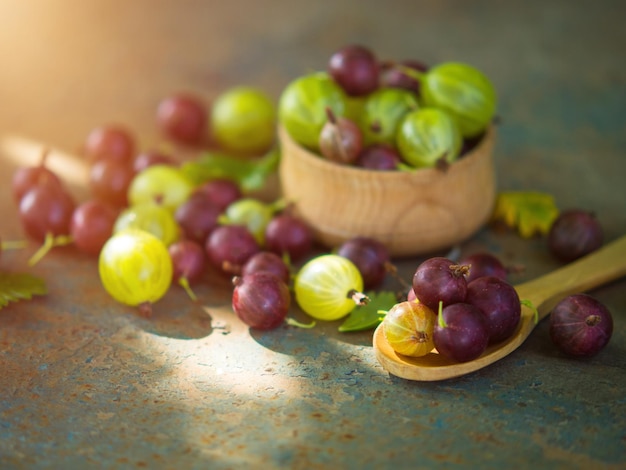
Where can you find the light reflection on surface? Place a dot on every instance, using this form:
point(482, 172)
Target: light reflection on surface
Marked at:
point(27, 152)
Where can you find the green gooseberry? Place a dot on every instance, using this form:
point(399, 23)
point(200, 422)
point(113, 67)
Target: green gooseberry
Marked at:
point(383, 111)
point(462, 90)
point(428, 135)
point(252, 213)
point(302, 107)
point(355, 106)
point(243, 119)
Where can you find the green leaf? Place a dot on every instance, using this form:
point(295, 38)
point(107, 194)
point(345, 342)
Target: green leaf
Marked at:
point(527, 211)
point(249, 173)
point(368, 316)
point(19, 286)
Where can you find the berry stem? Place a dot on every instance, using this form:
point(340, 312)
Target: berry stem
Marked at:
point(411, 72)
point(279, 205)
point(49, 242)
point(231, 268)
point(44, 156)
point(12, 245)
point(376, 127)
point(145, 309)
point(331, 115)
point(184, 283)
point(223, 219)
point(296, 323)
point(442, 164)
point(336, 135)
point(440, 320)
point(459, 270)
point(593, 320)
point(358, 297)
point(408, 71)
point(392, 270)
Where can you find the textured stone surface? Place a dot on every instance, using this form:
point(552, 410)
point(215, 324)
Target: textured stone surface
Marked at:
point(84, 381)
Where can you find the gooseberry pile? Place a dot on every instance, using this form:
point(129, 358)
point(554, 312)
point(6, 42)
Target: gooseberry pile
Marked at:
point(380, 115)
point(150, 224)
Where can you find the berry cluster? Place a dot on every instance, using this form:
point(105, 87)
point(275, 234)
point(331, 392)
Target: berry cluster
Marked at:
point(386, 116)
point(151, 224)
point(148, 222)
point(471, 314)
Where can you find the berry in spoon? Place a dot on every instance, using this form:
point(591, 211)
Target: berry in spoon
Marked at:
point(440, 279)
point(461, 332)
point(408, 327)
point(484, 264)
point(499, 302)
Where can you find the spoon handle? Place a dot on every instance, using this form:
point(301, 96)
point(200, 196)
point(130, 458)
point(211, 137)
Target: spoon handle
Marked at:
point(603, 265)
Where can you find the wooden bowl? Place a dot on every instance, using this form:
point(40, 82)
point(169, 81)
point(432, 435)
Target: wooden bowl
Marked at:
point(411, 212)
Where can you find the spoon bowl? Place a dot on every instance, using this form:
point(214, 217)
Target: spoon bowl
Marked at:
point(602, 266)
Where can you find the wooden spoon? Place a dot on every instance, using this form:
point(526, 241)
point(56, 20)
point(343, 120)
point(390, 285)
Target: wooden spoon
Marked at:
point(603, 265)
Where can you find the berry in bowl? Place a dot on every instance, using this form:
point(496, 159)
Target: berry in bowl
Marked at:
point(410, 166)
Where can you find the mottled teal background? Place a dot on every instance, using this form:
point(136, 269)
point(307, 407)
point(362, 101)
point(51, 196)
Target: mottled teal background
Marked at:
point(85, 382)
